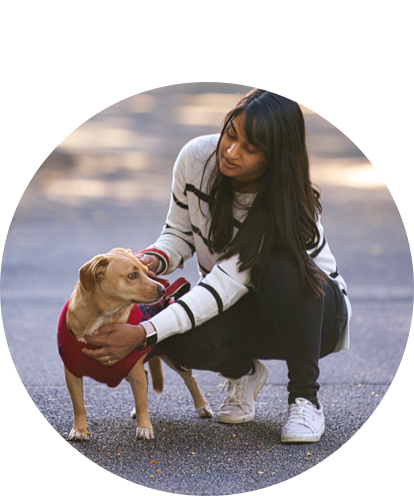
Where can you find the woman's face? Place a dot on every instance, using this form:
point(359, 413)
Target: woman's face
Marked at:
point(239, 160)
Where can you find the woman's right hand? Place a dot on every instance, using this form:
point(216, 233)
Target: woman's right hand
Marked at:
point(150, 261)
point(116, 341)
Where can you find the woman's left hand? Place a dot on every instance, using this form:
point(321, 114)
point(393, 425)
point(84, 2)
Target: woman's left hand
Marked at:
point(116, 342)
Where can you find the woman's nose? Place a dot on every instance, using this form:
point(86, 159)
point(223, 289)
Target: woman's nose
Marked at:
point(232, 150)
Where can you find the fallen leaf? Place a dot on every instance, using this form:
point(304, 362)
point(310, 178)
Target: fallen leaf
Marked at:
point(153, 462)
point(118, 454)
point(260, 472)
point(151, 475)
point(159, 471)
point(234, 435)
point(164, 430)
point(193, 453)
point(308, 453)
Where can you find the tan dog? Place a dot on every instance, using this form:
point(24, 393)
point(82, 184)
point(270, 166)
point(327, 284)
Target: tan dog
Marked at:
point(109, 287)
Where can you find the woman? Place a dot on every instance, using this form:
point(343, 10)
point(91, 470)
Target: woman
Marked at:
point(269, 287)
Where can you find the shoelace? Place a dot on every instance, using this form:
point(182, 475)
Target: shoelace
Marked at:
point(300, 412)
point(233, 391)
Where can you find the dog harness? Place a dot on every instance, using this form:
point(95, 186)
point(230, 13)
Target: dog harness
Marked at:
point(80, 365)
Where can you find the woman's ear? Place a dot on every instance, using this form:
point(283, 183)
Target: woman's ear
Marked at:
point(89, 272)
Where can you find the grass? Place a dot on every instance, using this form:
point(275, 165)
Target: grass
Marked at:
point(24, 109)
point(397, 97)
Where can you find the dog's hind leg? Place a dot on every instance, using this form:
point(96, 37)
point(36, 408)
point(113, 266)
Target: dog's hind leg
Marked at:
point(201, 404)
point(79, 431)
point(155, 367)
point(139, 384)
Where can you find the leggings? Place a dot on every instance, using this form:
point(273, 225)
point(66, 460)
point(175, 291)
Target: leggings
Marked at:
point(278, 321)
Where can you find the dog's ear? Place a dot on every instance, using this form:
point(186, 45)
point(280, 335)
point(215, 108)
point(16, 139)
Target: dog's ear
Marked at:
point(90, 271)
point(129, 250)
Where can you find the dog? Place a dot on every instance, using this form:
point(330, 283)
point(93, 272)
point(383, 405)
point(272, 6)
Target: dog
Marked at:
point(109, 290)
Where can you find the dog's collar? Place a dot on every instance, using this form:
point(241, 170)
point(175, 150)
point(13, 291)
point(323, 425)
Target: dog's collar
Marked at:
point(71, 330)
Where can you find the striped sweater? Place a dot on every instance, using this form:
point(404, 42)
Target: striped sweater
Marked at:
point(184, 234)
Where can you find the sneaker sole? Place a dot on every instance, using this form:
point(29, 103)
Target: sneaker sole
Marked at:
point(247, 418)
point(303, 438)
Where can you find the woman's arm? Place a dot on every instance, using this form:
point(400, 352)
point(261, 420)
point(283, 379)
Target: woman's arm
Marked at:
point(176, 242)
point(217, 292)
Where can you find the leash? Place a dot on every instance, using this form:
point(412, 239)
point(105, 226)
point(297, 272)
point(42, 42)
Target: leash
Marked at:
point(173, 290)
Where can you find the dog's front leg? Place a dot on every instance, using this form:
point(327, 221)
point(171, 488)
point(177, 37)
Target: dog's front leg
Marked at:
point(79, 431)
point(139, 384)
point(201, 404)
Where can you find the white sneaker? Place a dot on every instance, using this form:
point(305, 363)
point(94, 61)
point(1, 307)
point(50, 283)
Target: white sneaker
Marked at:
point(305, 424)
point(238, 406)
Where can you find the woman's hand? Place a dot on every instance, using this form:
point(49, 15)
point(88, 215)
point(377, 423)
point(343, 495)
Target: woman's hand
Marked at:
point(116, 341)
point(150, 261)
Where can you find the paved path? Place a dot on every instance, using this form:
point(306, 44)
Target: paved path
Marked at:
point(108, 185)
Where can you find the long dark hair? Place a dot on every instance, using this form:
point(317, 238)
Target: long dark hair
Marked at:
point(287, 206)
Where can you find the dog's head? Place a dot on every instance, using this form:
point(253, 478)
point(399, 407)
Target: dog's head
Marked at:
point(119, 276)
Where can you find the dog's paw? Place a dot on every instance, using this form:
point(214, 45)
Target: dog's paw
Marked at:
point(133, 413)
point(144, 433)
point(205, 411)
point(76, 435)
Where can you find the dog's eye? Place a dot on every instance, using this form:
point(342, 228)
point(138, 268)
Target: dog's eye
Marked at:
point(133, 275)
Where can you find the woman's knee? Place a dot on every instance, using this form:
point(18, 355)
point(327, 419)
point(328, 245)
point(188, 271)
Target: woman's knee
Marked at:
point(190, 348)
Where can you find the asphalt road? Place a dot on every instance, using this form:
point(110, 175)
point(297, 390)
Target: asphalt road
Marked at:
point(108, 185)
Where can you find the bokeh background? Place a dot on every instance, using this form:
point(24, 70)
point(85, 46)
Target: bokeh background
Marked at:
point(86, 168)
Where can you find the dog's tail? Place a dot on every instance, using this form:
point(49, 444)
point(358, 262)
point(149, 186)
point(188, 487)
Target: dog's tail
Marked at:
point(157, 376)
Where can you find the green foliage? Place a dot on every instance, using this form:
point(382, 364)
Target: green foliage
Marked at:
point(24, 109)
point(398, 97)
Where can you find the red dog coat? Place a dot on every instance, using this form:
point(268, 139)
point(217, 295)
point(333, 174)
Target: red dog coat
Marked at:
point(81, 365)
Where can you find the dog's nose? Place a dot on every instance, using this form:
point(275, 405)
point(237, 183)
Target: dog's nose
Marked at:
point(161, 290)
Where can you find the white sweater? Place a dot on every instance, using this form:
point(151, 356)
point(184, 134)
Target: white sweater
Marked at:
point(221, 284)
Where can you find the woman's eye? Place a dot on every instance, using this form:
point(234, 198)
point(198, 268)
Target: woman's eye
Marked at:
point(251, 151)
point(133, 275)
point(230, 135)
